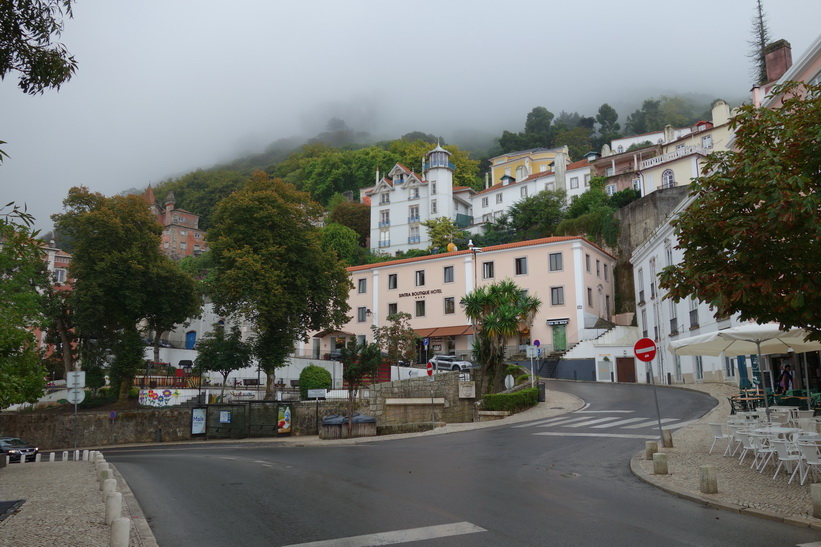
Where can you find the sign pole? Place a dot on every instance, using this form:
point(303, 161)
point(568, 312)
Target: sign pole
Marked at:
point(645, 350)
point(430, 380)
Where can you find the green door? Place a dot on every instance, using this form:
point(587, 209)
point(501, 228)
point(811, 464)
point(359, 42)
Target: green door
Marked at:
point(559, 338)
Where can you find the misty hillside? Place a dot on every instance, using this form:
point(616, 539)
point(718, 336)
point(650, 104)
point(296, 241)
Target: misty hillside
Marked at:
point(341, 159)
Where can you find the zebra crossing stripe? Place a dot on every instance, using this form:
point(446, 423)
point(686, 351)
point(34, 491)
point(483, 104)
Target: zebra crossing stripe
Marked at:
point(620, 422)
point(650, 423)
point(609, 435)
point(591, 422)
point(568, 421)
point(604, 411)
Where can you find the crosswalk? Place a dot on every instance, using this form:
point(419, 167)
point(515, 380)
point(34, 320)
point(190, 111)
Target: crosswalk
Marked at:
point(603, 423)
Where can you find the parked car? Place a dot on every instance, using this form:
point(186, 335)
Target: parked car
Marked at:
point(450, 362)
point(16, 448)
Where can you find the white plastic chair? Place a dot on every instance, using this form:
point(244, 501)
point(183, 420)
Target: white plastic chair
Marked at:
point(787, 456)
point(718, 433)
point(810, 462)
point(744, 439)
point(763, 452)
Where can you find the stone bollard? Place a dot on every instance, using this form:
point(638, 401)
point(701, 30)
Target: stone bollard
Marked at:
point(666, 438)
point(709, 483)
point(76, 455)
point(659, 463)
point(120, 530)
point(102, 475)
point(650, 448)
point(51, 457)
point(113, 507)
point(65, 455)
point(38, 458)
point(815, 494)
point(109, 487)
point(85, 455)
point(22, 459)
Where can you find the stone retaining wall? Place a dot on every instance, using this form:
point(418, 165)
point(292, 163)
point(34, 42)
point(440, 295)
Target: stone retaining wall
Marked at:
point(405, 402)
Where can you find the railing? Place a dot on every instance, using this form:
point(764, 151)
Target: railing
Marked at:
point(430, 165)
point(385, 243)
point(670, 156)
point(413, 196)
point(384, 223)
point(414, 239)
point(693, 319)
point(412, 220)
point(641, 297)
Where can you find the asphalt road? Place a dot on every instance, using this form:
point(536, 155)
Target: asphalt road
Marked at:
point(563, 481)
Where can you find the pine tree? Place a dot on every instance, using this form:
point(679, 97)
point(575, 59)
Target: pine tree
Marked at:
point(760, 39)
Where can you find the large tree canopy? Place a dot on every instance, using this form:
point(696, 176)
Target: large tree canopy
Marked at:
point(752, 237)
point(270, 267)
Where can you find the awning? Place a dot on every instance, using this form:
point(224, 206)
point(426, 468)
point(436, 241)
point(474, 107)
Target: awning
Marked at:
point(326, 332)
point(423, 333)
point(458, 330)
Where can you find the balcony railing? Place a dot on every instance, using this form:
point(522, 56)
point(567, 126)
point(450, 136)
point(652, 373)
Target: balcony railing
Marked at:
point(414, 239)
point(384, 223)
point(385, 243)
point(670, 156)
point(430, 165)
point(412, 220)
point(693, 319)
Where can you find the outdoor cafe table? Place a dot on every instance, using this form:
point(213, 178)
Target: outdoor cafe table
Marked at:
point(776, 431)
point(748, 402)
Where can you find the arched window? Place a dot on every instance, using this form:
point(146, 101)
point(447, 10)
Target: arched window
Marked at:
point(668, 180)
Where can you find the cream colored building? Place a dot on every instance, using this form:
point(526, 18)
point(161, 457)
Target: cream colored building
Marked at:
point(572, 277)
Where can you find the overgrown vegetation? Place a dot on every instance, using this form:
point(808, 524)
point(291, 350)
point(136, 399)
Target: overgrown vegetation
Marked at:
point(511, 402)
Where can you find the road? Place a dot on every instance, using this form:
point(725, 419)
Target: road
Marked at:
point(564, 481)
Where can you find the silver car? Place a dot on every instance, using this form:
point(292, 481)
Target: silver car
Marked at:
point(450, 362)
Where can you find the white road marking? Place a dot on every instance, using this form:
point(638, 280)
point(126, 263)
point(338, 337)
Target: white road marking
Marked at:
point(650, 423)
point(591, 422)
point(604, 411)
point(614, 435)
point(398, 536)
point(568, 420)
point(620, 422)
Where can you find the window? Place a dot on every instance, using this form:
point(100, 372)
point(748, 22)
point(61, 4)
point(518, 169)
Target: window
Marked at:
point(598, 268)
point(668, 179)
point(641, 285)
point(433, 207)
point(413, 236)
point(384, 238)
point(413, 213)
point(587, 262)
point(448, 274)
point(183, 246)
point(487, 270)
point(605, 272)
point(587, 180)
point(610, 189)
point(668, 252)
point(673, 318)
point(693, 314)
point(433, 188)
point(589, 297)
point(557, 296)
point(521, 266)
point(644, 323)
point(197, 235)
point(707, 141)
point(183, 232)
point(361, 314)
point(385, 218)
point(59, 275)
point(524, 191)
point(555, 262)
point(392, 281)
point(574, 182)
point(484, 202)
point(384, 197)
point(414, 193)
point(393, 309)
point(499, 197)
point(550, 186)
point(609, 172)
point(363, 286)
point(699, 368)
point(420, 278)
point(450, 305)
point(420, 308)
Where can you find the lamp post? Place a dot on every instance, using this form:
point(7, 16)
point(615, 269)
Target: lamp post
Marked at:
point(473, 249)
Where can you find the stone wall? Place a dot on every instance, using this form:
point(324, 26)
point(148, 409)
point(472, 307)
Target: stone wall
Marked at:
point(387, 406)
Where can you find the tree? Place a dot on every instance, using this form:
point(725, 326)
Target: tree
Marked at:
point(397, 338)
point(270, 269)
point(342, 241)
point(498, 312)
point(22, 277)
point(360, 364)
point(313, 377)
point(60, 326)
point(591, 215)
point(171, 298)
point(538, 132)
point(356, 216)
point(115, 261)
point(441, 232)
point(607, 118)
point(27, 31)
point(760, 37)
point(223, 353)
point(537, 215)
point(751, 237)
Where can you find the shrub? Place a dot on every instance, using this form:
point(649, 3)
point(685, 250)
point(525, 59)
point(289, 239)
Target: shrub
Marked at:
point(133, 392)
point(313, 377)
point(512, 402)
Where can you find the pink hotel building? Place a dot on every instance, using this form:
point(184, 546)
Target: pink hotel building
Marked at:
point(571, 276)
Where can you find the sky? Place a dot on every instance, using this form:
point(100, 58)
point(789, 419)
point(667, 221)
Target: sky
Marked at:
point(168, 86)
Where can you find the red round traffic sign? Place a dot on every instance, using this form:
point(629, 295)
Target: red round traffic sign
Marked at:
point(645, 350)
point(430, 368)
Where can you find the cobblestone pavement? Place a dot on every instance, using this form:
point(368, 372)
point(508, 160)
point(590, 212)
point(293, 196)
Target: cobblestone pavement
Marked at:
point(64, 504)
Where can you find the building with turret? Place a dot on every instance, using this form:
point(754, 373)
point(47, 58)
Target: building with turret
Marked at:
point(181, 236)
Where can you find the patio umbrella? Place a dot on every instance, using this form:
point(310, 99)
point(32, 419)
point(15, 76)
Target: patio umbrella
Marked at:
point(747, 339)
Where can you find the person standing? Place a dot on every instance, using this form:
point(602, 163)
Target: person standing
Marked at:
point(785, 381)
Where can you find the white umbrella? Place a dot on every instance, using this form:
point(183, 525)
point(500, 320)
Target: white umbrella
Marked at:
point(747, 339)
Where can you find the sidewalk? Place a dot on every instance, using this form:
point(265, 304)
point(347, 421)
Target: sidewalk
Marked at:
point(64, 504)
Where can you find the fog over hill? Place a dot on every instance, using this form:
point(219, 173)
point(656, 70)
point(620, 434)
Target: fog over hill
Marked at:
point(164, 88)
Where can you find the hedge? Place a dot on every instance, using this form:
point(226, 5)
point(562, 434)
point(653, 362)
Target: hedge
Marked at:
point(512, 402)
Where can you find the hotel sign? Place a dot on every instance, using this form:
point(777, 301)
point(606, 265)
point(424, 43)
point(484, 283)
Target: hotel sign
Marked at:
point(420, 293)
point(558, 321)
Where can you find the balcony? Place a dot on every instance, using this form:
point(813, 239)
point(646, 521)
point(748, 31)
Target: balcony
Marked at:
point(414, 239)
point(385, 243)
point(413, 220)
point(672, 156)
point(430, 165)
point(384, 223)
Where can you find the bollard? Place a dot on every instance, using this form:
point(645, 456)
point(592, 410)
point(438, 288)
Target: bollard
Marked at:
point(113, 507)
point(4, 461)
point(65, 455)
point(22, 459)
point(109, 487)
point(101, 465)
point(85, 455)
point(650, 448)
point(51, 457)
point(102, 475)
point(38, 458)
point(120, 530)
point(709, 483)
point(76, 455)
point(815, 494)
point(666, 438)
point(659, 463)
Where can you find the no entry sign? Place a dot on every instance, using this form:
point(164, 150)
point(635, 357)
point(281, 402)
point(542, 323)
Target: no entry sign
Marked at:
point(430, 368)
point(645, 350)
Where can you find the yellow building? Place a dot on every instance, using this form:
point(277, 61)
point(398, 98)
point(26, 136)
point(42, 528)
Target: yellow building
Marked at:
point(520, 165)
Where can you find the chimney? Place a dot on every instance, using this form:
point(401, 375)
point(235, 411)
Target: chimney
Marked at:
point(778, 58)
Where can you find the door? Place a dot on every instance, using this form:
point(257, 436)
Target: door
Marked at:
point(190, 339)
point(626, 370)
point(559, 338)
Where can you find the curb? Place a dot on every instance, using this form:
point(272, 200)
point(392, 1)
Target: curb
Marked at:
point(144, 535)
